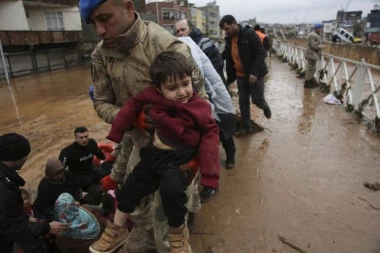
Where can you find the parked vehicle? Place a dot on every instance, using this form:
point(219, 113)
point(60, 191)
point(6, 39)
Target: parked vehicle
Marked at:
point(342, 35)
point(373, 38)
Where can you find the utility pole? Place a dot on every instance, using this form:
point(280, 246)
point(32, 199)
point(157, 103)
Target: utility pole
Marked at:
point(344, 14)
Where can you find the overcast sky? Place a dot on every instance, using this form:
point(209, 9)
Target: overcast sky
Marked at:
point(288, 11)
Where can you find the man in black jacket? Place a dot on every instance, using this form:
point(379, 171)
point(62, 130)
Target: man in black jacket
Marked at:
point(78, 157)
point(14, 223)
point(245, 62)
point(186, 28)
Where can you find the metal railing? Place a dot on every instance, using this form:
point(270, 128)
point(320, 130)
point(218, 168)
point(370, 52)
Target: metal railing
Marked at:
point(356, 84)
point(27, 62)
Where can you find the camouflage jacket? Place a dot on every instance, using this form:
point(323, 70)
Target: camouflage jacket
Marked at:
point(123, 72)
point(314, 46)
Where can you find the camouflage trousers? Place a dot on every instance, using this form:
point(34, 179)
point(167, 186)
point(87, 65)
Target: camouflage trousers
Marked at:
point(151, 232)
point(310, 69)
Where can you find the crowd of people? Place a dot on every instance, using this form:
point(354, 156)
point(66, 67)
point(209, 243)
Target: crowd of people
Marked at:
point(168, 102)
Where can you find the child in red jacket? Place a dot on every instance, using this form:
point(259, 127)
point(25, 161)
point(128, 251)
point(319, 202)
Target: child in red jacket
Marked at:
point(184, 126)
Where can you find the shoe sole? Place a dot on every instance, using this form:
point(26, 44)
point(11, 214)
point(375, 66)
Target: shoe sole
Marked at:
point(110, 251)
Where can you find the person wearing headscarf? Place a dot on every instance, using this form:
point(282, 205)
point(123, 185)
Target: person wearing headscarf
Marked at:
point(55, 182)
point(85, 225)
point(15, 225)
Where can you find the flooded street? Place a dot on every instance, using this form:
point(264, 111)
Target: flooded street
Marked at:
point(301, 178)
point(46, 108)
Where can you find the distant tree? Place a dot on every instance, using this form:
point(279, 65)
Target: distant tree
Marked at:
point(358, 28)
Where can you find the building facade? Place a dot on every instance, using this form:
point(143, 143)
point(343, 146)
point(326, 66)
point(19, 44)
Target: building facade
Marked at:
point(329, 27)
point(348, 18)
point(212, 20)
point(39, 23)
point(198, 18)
point(168, 13)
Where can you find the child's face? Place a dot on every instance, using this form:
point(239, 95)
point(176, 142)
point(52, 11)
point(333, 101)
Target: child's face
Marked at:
point(177, 89)
point(26, 200)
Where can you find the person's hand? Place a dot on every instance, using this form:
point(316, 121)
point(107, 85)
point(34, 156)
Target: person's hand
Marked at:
point(56, 227)
point(33, 219)
point(108, 183)
point(252, 79)
point(144, 122)
point(191, 168)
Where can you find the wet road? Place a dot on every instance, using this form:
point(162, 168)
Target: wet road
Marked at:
point(302, 177)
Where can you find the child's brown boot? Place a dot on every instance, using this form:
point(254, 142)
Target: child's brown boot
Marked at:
point(179, 242)
point(112, 238)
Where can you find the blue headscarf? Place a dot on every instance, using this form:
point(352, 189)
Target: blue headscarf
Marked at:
point(83, 223)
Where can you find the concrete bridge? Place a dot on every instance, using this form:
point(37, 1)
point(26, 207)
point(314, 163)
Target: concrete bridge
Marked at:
point(299, 183)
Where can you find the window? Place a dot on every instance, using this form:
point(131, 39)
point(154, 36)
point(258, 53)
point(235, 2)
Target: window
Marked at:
point(169, 14)
point(54, 21)
point(193, 12)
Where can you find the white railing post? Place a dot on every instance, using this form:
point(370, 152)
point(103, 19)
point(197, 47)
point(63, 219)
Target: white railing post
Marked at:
point(373, 90)
point(357, 91)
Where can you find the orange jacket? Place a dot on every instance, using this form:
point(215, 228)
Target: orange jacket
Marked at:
point(261, 35)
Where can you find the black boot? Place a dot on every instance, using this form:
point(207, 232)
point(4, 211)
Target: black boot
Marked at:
point(190, 220)
point(314, 82)
point(230, 161)
point(308, 84)
point(229, 147)
point(207, 193)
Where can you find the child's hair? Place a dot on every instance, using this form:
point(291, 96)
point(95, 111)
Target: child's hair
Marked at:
point(93, 196)
point(169, 65)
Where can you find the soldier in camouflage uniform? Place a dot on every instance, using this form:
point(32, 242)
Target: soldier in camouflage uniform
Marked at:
point(120, 70)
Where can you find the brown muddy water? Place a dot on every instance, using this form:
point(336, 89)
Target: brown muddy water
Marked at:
point(46, 108)
point(301, 178)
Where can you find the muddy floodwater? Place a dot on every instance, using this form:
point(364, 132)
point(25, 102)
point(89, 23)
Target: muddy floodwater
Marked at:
point(299, 180)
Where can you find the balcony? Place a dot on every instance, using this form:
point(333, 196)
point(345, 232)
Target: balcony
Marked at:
point(14, 38)
point(51, 2)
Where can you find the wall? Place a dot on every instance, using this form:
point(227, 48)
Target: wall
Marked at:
point(12, 16)
point(355, 52)
point(71, 18)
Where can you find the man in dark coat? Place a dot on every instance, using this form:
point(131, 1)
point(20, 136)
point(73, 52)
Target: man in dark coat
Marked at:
point(15, 225)
point(245, 62)
point(186, 28)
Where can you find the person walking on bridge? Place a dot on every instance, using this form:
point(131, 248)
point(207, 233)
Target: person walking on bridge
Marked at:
point(245, 62)
point(263, 37)
point(313, 53)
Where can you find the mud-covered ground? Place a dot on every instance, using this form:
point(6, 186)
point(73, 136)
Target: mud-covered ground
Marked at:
point(301, 178)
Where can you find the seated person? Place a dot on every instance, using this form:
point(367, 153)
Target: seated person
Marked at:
point(43, 244)
point(78, 158)
point(184, 125)
point(28, 207)
point(85, 225)
point(55, 182)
